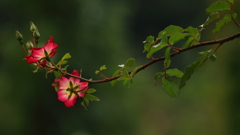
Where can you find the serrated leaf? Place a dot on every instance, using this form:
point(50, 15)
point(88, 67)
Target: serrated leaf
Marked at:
point(91, 90)
point(192, 30)
point(103, 67)
point(174, 72)
point(190, 70)
point(157, 75)
point(160, 34)
point(170, 87)
point(211, 18)
point(66, 56)
point(156, 48)
point(130, 63)
point(92, 97)
point(147, 47)
point(227, 18)
point(218, 6)
point(177, 37)
point(194, 38)
point(172, 29)
point(213, 57)
point(150, 39)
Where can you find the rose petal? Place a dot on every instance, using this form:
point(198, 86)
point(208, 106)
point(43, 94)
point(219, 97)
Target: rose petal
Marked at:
point(70, 102)
point(50, 47)
point(38, 53)
point(81, 94)
point(31, 59)
point(83, 85)
point(63, 83)
point(62, 95)
point(43, 63)
point(75, 81)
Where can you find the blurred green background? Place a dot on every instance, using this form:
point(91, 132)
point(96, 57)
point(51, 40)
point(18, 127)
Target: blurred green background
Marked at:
point(98, 32)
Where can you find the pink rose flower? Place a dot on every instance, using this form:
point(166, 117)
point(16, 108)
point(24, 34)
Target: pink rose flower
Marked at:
point(38, 53)
point(70, 88)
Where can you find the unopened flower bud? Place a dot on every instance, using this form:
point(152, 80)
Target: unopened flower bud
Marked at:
point(36, 34)
point(29, 45)
point(19, 36)
point(32, 27)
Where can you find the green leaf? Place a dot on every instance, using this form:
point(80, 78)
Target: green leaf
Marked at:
point(190, 70)
point(213, 57)
point(164, 38)
point(170, 87)
point(230, 1)
point(167, 53)
point(160, 34)
point(116, 73)
point(192, 30)
point(150, 39)
point(194, 39)
point(205, 53)
point(92, 97)
point(65, 68)
point(156, 48)
point(218, 6)
point(134, 70)
point(62, 62)
point(191, 41)
point(174, 72)
point(167, 63)
point(96, 72)
point(130, 63)
point(177, 37)
point(103, 67)
point(125, 82)
point(85, 103)
point(172, 29)
point(57, 74)
point(125, 73)
point(91, 90)
point(66, 56)
point(211, 18)
point(167, 60)
point(157, 75)
point(147, 47)
point(227, 18)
